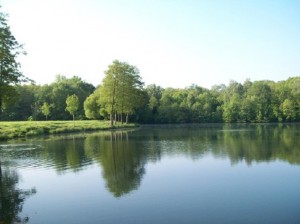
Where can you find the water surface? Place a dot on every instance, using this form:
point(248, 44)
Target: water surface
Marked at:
point(167, 174)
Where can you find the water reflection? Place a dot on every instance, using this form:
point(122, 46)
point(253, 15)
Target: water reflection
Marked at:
point(121, 159)
point(249, 143)
point(261, 143)
point(123, 155)
point(12, 198)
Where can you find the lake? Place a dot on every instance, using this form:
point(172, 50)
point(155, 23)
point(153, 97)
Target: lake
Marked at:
point(155, 174)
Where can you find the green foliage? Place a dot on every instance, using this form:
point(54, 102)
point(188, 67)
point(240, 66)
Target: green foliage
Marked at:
point(92, 106)
point(72, 105)
point(61, 89)
point(289, 110)
point(9, 66)
point(259, 101)
point(121, 91)
point(30, 99)
point(46, 109)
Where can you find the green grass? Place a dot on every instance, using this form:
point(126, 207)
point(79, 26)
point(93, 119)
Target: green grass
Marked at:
point(22, 129)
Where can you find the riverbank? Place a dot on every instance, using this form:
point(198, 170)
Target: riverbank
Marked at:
point(22, 129)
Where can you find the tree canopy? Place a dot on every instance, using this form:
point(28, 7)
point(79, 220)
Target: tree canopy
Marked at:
point(72, 105)
point(258, 101)
point(31, 98)
point(121, 91)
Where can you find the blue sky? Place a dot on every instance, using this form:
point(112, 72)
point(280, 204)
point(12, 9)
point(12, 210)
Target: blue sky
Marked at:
point(174, 43)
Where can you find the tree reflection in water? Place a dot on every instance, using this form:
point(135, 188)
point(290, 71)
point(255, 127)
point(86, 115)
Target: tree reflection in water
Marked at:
point(122, 161)
point(12, 198)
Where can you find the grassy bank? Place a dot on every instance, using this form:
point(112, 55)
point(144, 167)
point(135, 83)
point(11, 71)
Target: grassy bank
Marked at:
point(17, 129)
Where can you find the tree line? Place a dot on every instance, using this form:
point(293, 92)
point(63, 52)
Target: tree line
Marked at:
point(258, 101)
point(121, 97)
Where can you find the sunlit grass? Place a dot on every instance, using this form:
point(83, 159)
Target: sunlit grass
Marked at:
point(16, 129)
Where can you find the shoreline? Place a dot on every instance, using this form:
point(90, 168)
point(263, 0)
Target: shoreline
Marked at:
point(12, 130)
point(25, 129)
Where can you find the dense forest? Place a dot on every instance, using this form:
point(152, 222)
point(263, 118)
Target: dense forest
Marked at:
point(121, 98)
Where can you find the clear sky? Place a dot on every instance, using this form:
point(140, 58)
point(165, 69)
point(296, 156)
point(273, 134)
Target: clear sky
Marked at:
point(174, 43)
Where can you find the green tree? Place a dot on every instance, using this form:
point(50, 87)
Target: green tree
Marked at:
point(168, 107)
point(294, 90)
point(92, 106)
point(57, 92)
point(232, 97)
point(261, 96)
point(132, 94)
point(21, 109)
point(121, 90)
point(154, 94)
point(72, 105)
point(46, 109)
point(9, 67)
point(288, 109)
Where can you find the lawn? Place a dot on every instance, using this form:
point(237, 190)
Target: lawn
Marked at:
point(16, 129)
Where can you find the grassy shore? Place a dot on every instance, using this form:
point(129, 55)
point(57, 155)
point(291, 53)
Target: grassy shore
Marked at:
point(17, 129)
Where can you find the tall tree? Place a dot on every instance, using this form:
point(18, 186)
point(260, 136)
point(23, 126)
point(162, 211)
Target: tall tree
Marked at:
point(108, 90)
point(121, 90)
point(9, 67)
point(130, 94)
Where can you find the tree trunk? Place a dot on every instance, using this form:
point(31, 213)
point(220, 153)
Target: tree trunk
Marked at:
point(111, 119)
point(122, 109)
point(127, 118)
point(113, 104)
point(0, 91)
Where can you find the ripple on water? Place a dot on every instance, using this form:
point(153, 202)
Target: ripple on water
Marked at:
point(21, 155)
point(31, 156)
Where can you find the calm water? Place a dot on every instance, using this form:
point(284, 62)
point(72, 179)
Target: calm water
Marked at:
point(170, 174)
